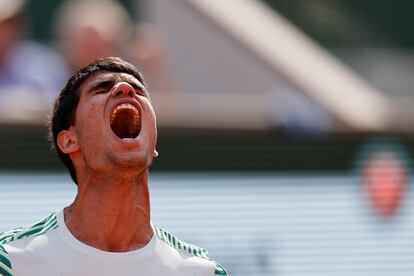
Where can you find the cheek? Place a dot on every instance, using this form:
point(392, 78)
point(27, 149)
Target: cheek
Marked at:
point(89, 123)
point(149, 117)
point(153, 123)
point(91, 114)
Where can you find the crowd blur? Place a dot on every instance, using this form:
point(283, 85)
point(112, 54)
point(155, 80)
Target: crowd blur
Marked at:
point(32, 74)
point(302, 97)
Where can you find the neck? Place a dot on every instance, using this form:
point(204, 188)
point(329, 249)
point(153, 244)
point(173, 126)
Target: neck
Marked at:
point(111, 213)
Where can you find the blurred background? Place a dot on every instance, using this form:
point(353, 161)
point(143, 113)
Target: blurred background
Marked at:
point(285, 126)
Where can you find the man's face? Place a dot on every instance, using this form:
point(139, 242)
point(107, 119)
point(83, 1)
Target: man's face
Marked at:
point(115, 123)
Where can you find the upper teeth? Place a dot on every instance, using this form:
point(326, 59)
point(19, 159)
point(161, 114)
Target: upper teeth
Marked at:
point(125, 106)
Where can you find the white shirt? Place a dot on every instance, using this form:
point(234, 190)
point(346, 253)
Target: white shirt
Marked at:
point(49, 248)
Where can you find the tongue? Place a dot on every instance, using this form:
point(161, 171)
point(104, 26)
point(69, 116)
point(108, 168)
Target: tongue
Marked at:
point(124, 125)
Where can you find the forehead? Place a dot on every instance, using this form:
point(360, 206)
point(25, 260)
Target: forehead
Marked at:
point(101, 76)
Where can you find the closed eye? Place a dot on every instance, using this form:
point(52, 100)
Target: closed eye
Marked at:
point(100, 91)
point(102, 87)
point(138, 89)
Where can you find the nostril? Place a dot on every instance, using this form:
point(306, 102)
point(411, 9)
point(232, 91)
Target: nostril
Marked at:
point(122, 89)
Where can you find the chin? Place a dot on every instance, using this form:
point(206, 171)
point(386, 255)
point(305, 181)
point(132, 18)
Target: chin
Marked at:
point(130, 162)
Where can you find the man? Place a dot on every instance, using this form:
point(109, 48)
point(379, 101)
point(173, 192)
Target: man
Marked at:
point(104, 130)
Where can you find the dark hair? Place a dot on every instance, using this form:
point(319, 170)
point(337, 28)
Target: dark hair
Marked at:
point(63, 113)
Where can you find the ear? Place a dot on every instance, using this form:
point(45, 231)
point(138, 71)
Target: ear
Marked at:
point(155, 153)
point(67, 141)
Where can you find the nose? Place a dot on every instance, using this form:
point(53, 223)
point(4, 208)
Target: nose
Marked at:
point(123, 89)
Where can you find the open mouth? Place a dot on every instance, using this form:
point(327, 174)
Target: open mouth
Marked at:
point(125, 121)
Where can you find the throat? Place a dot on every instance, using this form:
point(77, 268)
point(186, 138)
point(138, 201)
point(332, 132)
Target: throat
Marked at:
point(110, 232)
point(111, 216)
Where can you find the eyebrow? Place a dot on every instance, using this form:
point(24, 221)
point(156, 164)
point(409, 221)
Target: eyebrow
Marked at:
point(134, 85)
point(106, 84)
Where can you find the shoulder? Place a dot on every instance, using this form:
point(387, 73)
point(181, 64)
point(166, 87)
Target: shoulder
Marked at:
point(188, 248)
point(17, 234)
point(36, 229)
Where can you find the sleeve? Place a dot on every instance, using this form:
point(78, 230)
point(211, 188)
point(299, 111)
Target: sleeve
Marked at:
point(220, 271)
point(5, 264)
